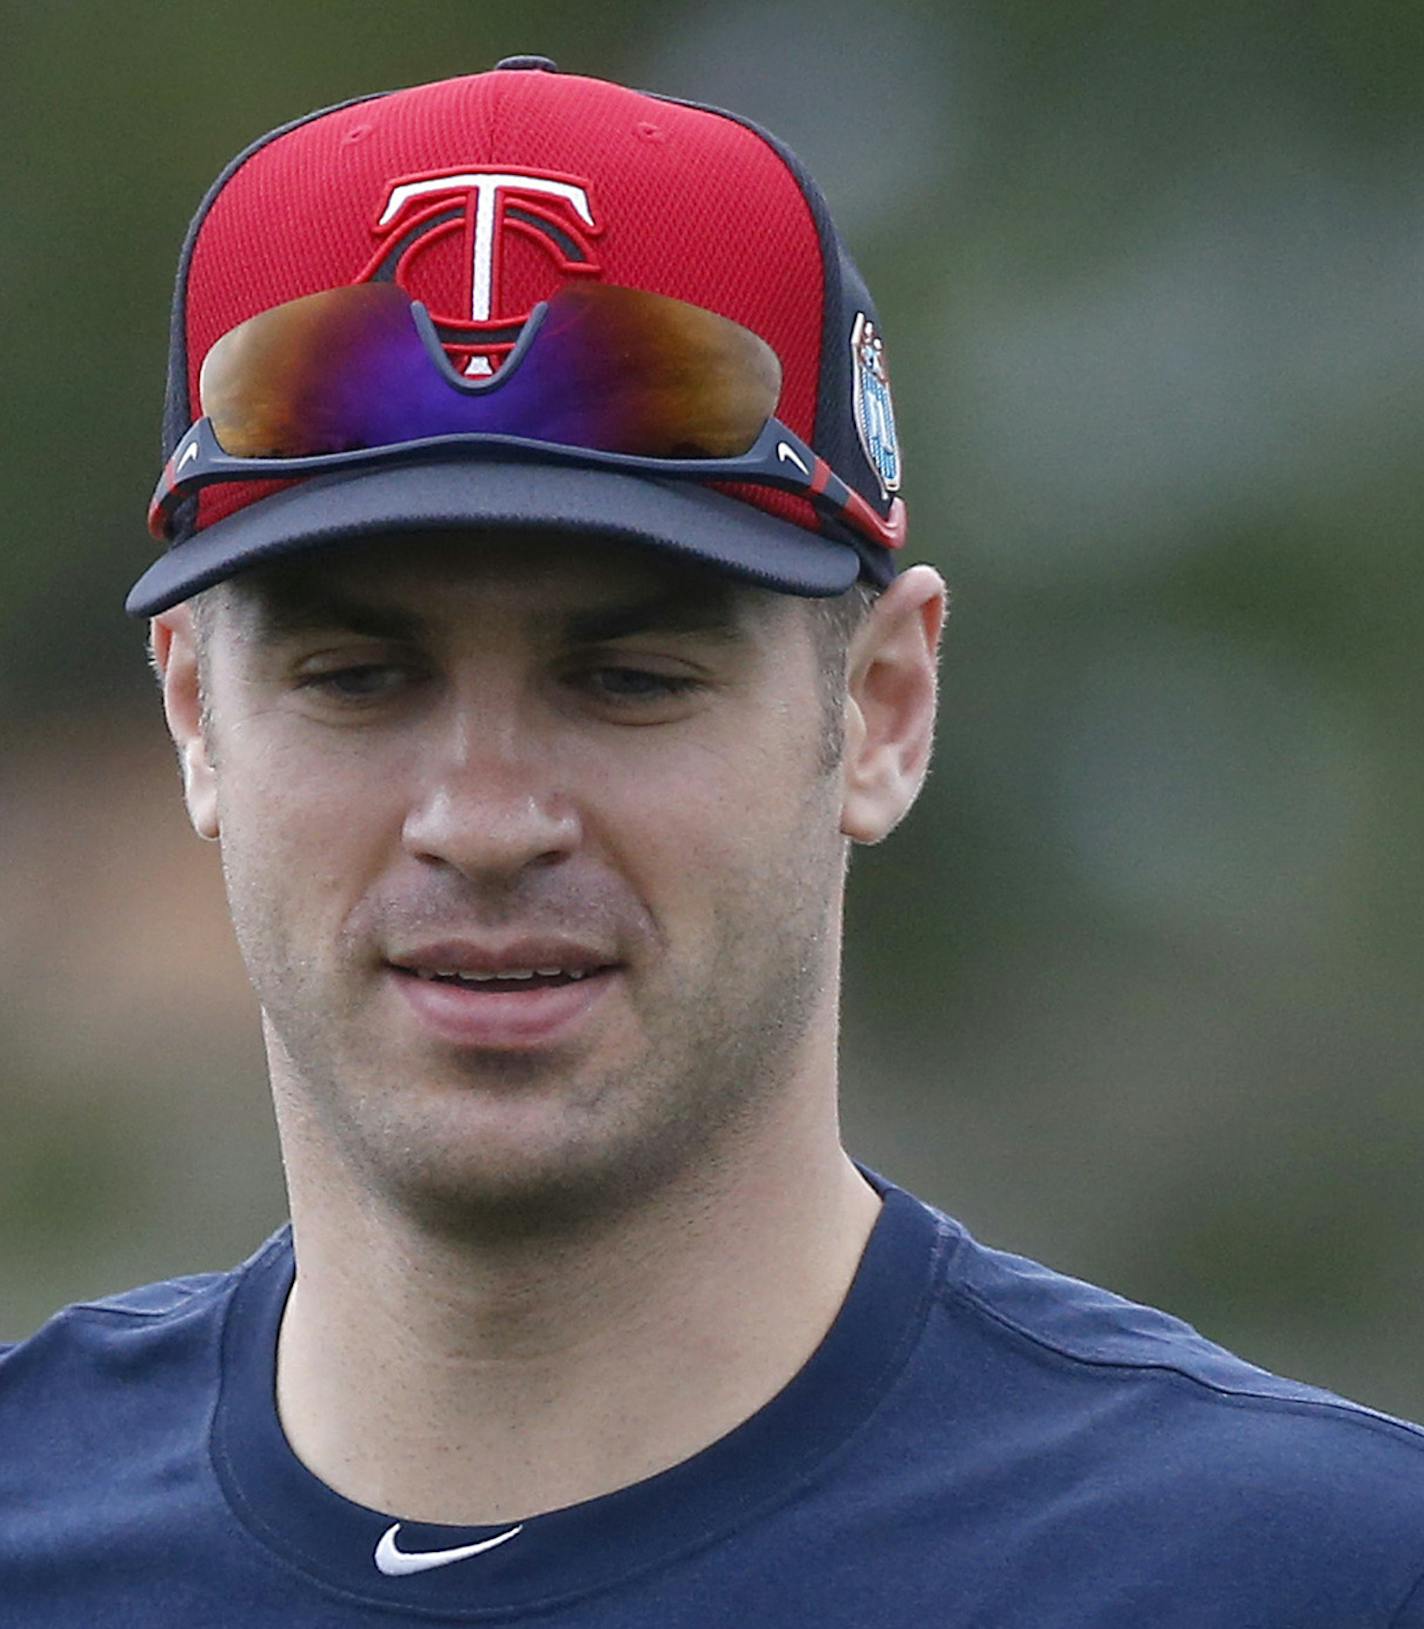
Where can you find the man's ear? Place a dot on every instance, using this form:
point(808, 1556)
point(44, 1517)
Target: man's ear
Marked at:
point(890, 705)
point(173, 641)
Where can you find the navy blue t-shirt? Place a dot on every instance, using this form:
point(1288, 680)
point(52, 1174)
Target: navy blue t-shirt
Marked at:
point(977, 1442)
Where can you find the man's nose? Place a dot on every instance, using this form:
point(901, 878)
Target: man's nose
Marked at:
point(489, 804)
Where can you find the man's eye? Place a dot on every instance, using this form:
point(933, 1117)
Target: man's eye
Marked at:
point(368, 681)
point(635, 684)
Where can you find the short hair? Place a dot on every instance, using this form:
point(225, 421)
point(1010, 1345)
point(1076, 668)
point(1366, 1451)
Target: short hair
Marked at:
point(835, 621)
point(203, 608)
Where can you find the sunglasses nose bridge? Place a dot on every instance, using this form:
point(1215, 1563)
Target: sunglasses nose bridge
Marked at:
point(431, 342)
point(473, 385)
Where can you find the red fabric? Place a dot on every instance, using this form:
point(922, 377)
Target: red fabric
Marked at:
point(685, 203)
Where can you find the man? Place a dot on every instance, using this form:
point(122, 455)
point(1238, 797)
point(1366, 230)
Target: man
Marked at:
point(534, 652)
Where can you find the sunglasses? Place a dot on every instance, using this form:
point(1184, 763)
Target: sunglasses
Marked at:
point(602, 377)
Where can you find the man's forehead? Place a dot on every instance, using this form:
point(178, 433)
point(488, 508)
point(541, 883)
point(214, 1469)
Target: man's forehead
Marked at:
point(590, 587)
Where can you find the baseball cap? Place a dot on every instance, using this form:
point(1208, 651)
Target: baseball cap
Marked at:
point(481, 198)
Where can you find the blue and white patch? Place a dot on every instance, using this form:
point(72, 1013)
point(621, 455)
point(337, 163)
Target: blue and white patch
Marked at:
point(874, 414)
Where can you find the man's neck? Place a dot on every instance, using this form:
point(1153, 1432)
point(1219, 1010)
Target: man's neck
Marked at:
point(465, 1386)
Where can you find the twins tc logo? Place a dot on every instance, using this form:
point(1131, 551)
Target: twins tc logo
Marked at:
point(480, 211)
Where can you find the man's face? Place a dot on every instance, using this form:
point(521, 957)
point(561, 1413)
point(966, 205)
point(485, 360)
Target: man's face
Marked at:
point(442, 764)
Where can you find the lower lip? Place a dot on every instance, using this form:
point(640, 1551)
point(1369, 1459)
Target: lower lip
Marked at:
point(503, 1020)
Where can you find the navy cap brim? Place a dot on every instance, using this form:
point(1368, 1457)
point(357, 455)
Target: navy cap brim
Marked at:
point(685, 519)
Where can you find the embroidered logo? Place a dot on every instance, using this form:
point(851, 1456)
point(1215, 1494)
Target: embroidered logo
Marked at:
point(874, 414)
point(397, 1563)
point(481, 209)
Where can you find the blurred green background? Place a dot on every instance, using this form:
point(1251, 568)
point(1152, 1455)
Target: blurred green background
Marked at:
point(1136, 990)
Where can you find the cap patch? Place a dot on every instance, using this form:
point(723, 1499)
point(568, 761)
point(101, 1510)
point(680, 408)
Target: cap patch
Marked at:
point(874, 414)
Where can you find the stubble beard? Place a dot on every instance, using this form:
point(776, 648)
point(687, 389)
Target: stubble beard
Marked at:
point(725, 1042)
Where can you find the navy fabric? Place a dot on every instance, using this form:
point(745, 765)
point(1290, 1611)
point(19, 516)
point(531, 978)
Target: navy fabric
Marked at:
point(979, 1443)
point(329, 510)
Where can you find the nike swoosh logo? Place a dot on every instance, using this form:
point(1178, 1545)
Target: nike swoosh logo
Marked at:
point(396, 1563)
point(789, 455)
point(191, 451)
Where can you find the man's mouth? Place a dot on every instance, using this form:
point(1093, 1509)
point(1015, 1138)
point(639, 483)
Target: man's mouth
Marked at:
point(506, 983)
point(516, 967)
point(507, 997)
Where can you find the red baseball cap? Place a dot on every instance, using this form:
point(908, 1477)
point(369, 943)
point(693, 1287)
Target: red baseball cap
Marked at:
point(480, 197)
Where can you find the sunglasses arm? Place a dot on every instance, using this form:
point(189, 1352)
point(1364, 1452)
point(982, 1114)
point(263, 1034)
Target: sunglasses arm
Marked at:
point(780, 452)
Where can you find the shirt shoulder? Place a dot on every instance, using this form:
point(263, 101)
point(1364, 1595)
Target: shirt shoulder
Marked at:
point(1193, 1462)
point(114, 1372)
point(1095, 1330)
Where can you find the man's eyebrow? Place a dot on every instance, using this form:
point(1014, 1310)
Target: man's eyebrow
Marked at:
point(291, 613)
point(283, 616)
point(713, 614)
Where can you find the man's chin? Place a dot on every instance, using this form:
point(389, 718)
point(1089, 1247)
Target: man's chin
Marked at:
point(516, 1146)
point(519, 1195)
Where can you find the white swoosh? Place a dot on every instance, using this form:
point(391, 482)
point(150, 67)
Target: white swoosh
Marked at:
point(395, 1563)
point(789, 455)
point(190, 452)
